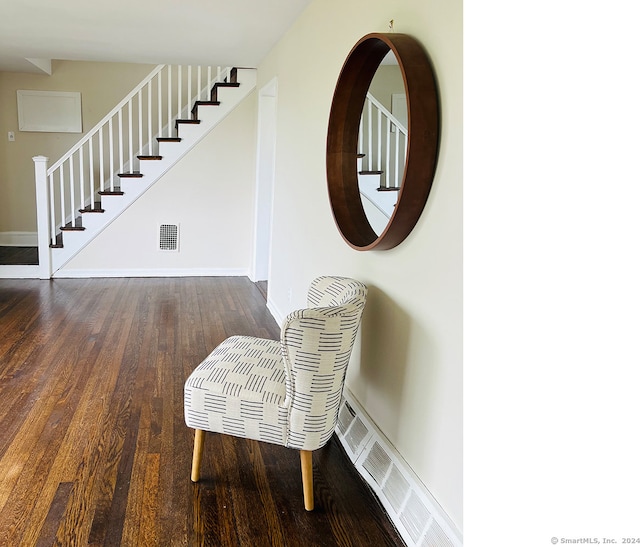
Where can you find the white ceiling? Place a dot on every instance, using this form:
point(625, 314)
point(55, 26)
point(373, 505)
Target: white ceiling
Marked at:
point(208, 32)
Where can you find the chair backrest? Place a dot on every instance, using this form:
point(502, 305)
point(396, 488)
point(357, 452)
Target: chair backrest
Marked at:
point(316, 346)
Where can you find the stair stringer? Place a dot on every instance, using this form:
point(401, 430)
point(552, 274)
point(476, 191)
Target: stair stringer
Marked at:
point(171, 152)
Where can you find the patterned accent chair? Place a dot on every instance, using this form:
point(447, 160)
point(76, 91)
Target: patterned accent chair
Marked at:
point(283, 391)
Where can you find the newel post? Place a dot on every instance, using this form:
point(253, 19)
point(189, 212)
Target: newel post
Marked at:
point(42, 207)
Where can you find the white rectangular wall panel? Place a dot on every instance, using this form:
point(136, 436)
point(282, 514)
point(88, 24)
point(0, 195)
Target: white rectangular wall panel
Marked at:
point(49, 111)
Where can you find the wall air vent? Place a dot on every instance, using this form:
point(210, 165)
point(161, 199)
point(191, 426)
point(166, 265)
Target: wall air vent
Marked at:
point(436, 537)
point(356, 435)
point(352, 430)
point(345, 417)
point(168, 237)
point(396, 489)
point(415, 517)
point(377, 463)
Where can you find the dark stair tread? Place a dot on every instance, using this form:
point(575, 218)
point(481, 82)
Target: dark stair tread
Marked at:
point(134, 175)
point(361, 155)
point(149, 157)
point(226, 84)
point(97, 208)
point(206, 103)
point(69, 227)
point(388, 189)
point(168, 139)
point(371, 172)
point(115, 192)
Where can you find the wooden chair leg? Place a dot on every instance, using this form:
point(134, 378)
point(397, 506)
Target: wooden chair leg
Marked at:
point(306, 463)
point(198, 445)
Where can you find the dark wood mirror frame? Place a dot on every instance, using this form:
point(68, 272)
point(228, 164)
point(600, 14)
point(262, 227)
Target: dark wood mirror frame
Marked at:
point(342, 139)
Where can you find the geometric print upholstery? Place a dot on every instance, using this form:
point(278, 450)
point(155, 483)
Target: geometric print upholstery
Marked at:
point(238, 390)
point(334, 291)
point(285, 392)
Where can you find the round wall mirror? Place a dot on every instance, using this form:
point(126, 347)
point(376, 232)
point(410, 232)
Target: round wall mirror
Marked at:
point(382, 141)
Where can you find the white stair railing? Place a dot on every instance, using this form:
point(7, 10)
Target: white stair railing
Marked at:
point(111, 148)
point(383, 143)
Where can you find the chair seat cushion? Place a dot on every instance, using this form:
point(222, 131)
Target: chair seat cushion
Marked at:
point(239, 389)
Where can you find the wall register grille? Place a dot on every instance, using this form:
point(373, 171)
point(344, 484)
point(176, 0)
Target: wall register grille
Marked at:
point(419, 518)
point(168, 237)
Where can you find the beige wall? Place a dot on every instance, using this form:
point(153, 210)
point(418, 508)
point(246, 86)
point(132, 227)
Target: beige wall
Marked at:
point(408, 373)
point(102, 86)
point(209, 193)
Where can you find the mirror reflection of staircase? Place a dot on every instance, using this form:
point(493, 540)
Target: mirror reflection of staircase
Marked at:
point(382, 151)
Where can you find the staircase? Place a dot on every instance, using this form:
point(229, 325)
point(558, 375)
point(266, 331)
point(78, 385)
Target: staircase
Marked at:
point(382, 150)
point(116, 162)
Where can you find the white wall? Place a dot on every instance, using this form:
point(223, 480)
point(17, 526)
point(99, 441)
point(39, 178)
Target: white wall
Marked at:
point(408, 372)
point(209, 193)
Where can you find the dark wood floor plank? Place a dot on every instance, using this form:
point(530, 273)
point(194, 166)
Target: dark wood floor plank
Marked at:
point(148, 532)
point(18, 256)
point(135, 499)
point(93, 445)
point(48, 532)
point(274, 529)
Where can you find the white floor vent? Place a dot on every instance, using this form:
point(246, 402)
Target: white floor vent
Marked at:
point(414, 516)
point(396, 489)
point(168, 237)
point(353, 430)
point(436, 537)
point(413, 510)
point(377, 463)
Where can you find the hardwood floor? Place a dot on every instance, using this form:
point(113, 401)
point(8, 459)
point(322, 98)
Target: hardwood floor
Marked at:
point(18, 256)
point(93, 445)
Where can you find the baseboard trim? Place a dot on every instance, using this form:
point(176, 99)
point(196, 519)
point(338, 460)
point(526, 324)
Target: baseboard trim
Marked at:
point(18, 239)
point(151, 272)
point(275, 312)
point(419, 519)
point(19, 272)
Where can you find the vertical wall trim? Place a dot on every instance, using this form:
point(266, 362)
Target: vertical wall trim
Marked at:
point(265, 176)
